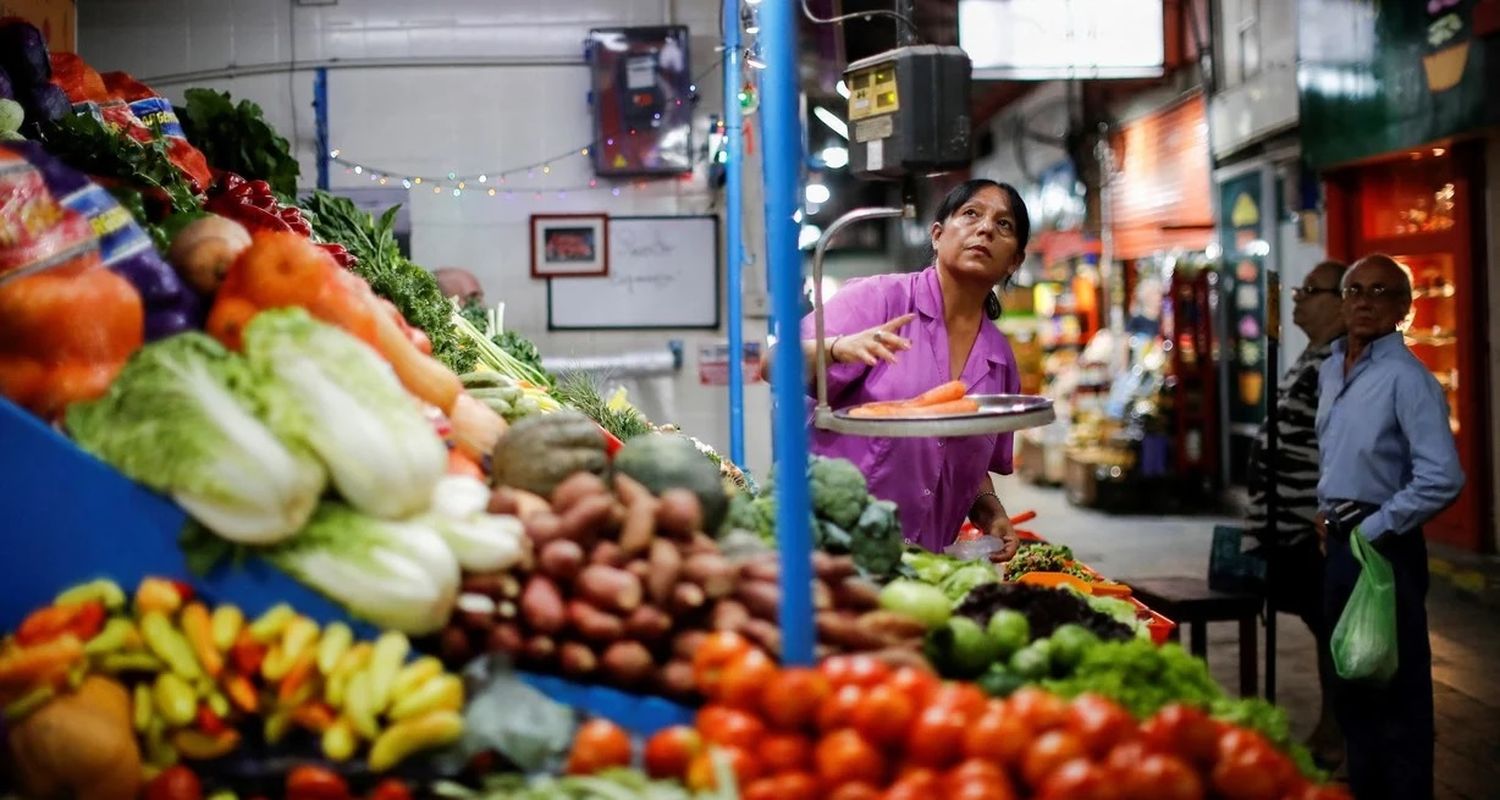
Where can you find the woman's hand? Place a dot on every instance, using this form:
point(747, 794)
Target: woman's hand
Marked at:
point(880, 343)
point(1001, 529)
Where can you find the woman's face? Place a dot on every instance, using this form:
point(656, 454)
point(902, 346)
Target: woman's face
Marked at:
point(978, 241)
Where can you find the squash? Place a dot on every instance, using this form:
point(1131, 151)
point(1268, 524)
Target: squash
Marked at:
point(662, 461)
point(80, 745)
point(540, 451)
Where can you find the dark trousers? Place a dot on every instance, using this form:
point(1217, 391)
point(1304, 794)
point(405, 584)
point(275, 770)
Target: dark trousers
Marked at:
point(1388, 730)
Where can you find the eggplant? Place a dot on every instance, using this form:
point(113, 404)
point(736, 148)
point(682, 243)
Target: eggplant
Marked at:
point(45, 102)
point(7, 89)
point(23, 53)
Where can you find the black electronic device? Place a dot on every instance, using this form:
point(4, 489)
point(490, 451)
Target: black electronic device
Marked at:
point(909, 112)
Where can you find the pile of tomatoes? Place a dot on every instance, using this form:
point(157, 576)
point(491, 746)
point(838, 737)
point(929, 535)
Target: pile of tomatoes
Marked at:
point(855, 729)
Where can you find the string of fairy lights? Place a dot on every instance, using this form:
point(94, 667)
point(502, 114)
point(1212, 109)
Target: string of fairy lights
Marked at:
point(526, 180)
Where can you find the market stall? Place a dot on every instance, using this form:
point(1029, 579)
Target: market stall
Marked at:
point(283, 522)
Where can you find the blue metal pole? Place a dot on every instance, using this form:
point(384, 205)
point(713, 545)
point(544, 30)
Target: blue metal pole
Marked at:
point(782, 161)
point(320, 112)
point(733, 213)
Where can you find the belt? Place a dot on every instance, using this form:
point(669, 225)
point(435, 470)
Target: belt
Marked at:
point(1343, 516)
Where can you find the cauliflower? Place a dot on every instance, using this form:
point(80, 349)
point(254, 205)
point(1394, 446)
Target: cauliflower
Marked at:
point(839, 491)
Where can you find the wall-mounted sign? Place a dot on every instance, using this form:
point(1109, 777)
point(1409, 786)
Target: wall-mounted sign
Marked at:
point(713, 363)
point(1048, 39)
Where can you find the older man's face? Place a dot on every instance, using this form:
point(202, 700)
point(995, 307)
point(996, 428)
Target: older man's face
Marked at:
point(1376, 298)
point(459, 283)
point(1315, 304)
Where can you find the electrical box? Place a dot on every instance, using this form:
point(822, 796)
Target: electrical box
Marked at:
point(909, 112)
point(643, 98)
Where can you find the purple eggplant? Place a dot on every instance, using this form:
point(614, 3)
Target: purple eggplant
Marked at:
point(45, 102)
point(7, 90)
point(23, 53)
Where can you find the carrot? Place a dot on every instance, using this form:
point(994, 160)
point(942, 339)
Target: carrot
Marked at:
point(25, 667)
point(295, 684)
point(948, 392)
point(955, 407)
point(960, 406)
point(242, 693)
point(459, 463)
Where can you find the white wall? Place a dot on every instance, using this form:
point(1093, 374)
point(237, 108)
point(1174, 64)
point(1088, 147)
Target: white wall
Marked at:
point(451, 85)
point(1258, 98)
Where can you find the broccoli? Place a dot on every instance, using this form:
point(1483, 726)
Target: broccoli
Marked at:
point(876, 539)
point(830, 538)
point(839, 491)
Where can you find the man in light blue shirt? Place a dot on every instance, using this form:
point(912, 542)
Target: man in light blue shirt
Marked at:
point(1388, 465)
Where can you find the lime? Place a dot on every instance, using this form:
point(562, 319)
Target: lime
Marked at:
point(1069, 644)
point(1032, 662)
point(1010, 630)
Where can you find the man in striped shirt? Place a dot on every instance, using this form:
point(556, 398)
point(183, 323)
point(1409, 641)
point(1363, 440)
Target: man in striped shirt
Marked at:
point(1295, 566)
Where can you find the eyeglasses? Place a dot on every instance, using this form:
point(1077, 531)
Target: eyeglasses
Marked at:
point(1312, 291)
point(1376, 292)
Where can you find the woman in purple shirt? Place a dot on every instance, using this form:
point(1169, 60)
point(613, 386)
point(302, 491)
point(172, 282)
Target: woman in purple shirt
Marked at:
point(892, 337)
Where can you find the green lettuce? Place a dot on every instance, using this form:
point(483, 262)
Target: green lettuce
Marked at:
point(188, 418)
point(380, 449)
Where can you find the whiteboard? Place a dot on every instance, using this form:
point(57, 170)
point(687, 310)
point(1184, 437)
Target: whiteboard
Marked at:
point(663, 273)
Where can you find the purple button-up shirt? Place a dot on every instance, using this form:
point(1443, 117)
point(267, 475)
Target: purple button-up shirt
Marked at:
point(932, 481)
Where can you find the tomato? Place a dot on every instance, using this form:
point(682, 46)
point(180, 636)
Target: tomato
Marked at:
point(730, 727)
point(936, 738)
point(1322, 793)
point(797, 786)
point(918, 684)
point(1048, 752)
point(1079, 779)
point(915, 783)
point(599, 744)
point(761, 789)
point(390, 789)
point(997, 736)
point(1099, 722)
point(744, 680)
point(1248, 769)
point(974, 768)
point(785, 752)
point(791, 698)
point(1184, 731)
point(174, 783)
point(855, 791)
point(1158, 777)
point(837, 709)
point(965, 698)
point(1126, 755)
point(315, 783)
point(1037, 709)
point(859, 670)
point(701, 776)
point(846, 757)
point(884, 716)
point(718, 651)
point(671, 750)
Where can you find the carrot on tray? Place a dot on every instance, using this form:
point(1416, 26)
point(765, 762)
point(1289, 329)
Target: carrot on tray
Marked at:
point(951, 407)
point(947, 393)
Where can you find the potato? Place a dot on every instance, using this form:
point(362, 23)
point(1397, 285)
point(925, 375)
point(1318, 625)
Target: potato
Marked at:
point(561, 560)
point(539, 650)
point(641, 570)
point(729, 615)
point(764, 634)
point(686, 644)
point(609, 588)
point(627, 663)
point(543, 528)
point(843, 630)
point(639, 528)
point(476, 612)
point(588, 518)
point(648, 624)
point(631, 491)
point(761, 568)
point(675, 680)
point(504, 501)
point(680, 515)
point(487, 584)
point(761, 598)
point(898, 657)
point(542, 606)
point(687, 598)
point(712, 572)
point(593, 624)
point(575, 488)
point(832, 568)
point(855, 594)
point(702, 543)
point(454, 646)
point(577, 660)
point(505, 637)
point(892, 627)
point(666, 567)
point(608, 554)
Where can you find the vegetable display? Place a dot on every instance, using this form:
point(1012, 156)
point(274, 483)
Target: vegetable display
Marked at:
point(236, 137)
point(96, 684)
point(856, 728)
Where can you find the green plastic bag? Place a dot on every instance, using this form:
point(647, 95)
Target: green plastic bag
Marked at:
point(1364, 640)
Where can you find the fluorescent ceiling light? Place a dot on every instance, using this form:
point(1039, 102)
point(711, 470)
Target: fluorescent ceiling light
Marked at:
point(843, 89)
point(831, 119)
point(817, 194)
point(836, 157)
point(808, 238)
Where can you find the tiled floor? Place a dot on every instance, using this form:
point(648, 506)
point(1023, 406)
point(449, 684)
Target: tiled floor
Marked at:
point(1463, 610)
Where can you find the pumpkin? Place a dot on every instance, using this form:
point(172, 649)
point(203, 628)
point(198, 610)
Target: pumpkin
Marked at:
point(540, 451)
point(80, 745)
point(662, 461)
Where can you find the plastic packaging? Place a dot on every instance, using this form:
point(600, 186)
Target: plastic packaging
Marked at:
point(1364, 640)
point(67, 326)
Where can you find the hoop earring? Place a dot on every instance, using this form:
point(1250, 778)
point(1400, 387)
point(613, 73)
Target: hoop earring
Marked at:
point(992, 306)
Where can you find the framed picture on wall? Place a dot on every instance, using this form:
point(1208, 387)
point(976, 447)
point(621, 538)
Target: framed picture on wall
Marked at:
point(569, 245)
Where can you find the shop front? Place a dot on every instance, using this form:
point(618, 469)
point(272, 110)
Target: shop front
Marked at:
point(1405, 91)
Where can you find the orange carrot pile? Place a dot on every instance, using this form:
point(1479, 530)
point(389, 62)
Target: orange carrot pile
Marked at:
point(945, 400)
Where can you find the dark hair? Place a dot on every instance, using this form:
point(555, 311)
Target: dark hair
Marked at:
point(963, 193)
